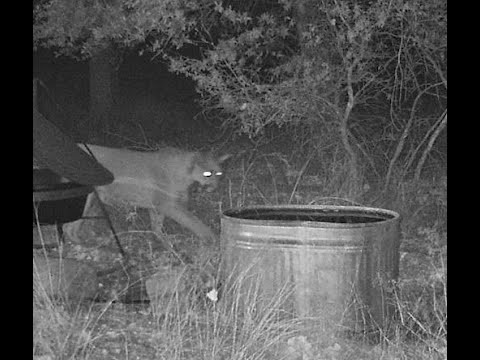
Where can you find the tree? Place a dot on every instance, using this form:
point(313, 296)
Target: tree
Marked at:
point(97, 29)
point(310, 64)
point(315, 63)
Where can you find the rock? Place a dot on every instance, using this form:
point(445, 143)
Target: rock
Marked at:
point(45, 235)
point(63, 278)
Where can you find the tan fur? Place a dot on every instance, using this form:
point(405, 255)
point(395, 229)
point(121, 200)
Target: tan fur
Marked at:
point(158, 181)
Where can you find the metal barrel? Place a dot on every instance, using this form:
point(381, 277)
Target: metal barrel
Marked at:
point(339, 263)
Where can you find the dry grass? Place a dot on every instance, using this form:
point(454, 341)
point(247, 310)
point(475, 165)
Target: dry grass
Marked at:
point(185, 323)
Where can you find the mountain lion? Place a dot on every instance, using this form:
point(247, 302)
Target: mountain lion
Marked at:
point(155, 180)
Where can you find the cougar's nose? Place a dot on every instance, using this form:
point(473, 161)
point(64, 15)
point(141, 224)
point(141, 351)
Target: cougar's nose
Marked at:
point(210, 187)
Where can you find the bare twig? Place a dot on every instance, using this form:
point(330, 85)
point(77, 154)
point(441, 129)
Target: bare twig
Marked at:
point(406, 132)
point(442, 122)
point(302, 170)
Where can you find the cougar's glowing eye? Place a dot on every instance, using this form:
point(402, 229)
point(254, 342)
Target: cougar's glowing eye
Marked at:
point(207, 173)
point(219, 173)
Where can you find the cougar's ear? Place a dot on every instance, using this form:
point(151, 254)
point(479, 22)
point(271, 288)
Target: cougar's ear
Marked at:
point(224, 157)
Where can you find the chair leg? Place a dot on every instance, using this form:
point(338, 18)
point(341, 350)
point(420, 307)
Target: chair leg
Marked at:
point(61, 235)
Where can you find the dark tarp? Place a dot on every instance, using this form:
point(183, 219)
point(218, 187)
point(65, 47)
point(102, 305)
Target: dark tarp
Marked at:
point(54, 150)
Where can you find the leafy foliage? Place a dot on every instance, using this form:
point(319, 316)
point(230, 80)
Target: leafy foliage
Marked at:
point(289, 67)
point(77, 28)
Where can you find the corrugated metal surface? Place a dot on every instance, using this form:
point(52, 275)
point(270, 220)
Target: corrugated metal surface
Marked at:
point(336, 261)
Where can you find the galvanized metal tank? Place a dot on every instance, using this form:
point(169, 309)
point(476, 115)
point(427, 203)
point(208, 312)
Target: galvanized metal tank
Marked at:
point(337, 263)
